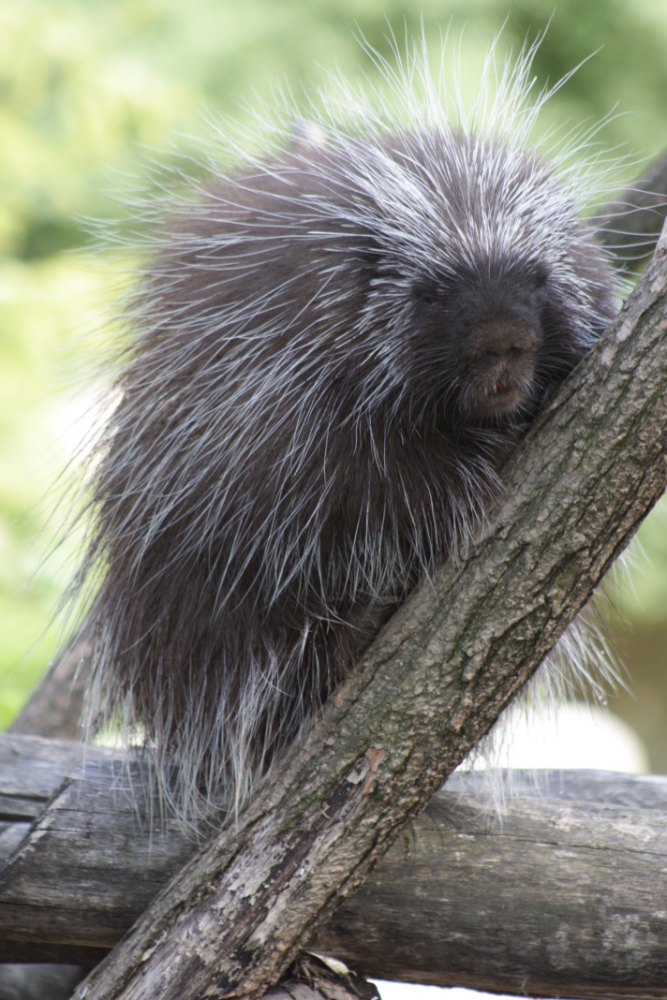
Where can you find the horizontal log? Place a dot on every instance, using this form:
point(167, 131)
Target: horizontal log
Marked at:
point(563, 887)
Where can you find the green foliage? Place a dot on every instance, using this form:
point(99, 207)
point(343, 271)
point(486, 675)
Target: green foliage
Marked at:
point(638, 586)
point(89, 91)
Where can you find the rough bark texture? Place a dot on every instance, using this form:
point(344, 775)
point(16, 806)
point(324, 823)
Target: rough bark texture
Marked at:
point(561, 895)
point(430, 686)
point(630, 225)
point(84, 854)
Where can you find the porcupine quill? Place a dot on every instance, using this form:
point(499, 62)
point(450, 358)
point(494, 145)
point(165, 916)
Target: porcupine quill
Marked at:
point(335, 345)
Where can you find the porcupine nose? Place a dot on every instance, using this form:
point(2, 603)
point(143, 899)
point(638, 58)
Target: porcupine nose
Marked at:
point(505, 351)
point(505, 341)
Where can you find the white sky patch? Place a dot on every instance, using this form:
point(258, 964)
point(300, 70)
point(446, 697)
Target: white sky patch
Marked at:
point(408, 991)
point(572, 735)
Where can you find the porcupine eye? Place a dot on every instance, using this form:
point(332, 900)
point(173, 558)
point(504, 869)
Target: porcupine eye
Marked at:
point(427, 296)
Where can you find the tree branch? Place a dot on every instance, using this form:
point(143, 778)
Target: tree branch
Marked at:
point(563, 896)
point(430, 686)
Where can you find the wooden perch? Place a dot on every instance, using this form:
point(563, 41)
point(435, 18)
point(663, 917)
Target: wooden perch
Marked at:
point(561, 895)
point(429, 687)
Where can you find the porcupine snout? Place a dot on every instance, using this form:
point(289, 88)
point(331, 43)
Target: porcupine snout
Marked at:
point(505, 354)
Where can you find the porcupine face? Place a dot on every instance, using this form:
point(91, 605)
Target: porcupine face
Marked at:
point(501, 335)
point(487, 330)
point(490, 286)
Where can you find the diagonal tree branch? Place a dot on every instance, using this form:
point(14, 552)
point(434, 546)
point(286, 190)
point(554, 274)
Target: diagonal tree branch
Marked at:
point(430, 686)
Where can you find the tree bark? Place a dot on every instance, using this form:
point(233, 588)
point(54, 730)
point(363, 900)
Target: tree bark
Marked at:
point(559, 894)
point(429, 687)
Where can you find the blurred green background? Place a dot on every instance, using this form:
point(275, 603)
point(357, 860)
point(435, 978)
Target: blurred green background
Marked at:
point(89, 90)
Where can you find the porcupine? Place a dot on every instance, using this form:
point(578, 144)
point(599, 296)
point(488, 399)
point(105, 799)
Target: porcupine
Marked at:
point(335, 346)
